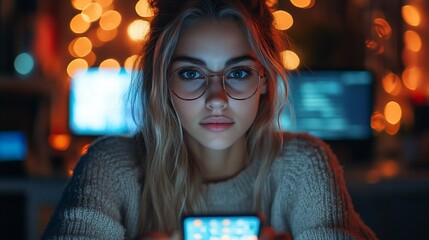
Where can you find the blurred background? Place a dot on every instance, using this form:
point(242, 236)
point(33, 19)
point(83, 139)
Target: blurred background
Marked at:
point(358, 72)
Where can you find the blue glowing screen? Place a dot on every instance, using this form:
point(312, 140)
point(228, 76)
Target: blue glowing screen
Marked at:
point(13, 146)
point(221, 227)
point(98, 103)
point(332, 105)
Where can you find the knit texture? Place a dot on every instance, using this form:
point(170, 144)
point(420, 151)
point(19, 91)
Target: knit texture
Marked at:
point(305, 194)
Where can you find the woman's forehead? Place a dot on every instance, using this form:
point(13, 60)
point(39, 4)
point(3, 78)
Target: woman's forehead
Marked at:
point(213, 41)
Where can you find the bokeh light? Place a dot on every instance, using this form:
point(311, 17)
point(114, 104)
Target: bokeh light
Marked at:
point(111, 64)
point(271, 3)
point(77, 64)
point(303, 3)
point(138, 30)
point(377, 121)
point(392, 84)
point(82, 46)
point(84, 149)
point(60, 142)
point(105, 36)
point(392, 112)
point(392, 129)
point(290, 60)
point(92, 12)
point(80, 4)
point(104, 3)
point(411, 77)
point(110, 20)
point(143, 9)
point(130, 62)
point(71, 48)
point(90, 58)
point(282, 20)
point(78, 24)
point(24, 63)
point(412, 40)
point(382, 28)
point(411, 15)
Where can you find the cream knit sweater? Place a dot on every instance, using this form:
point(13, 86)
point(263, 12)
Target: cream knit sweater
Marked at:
point(306, 194)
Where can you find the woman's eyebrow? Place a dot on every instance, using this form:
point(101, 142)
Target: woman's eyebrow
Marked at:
point(200, 62)
point(239, 59)
point(189, 59)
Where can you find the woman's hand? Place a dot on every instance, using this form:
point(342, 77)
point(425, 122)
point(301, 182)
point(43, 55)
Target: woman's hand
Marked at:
point(267, 233)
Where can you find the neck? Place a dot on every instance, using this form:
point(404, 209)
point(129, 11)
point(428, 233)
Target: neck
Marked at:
point(218, 165)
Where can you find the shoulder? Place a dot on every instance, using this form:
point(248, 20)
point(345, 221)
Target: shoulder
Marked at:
point(303, 143)
point(305, 154)
point(112, 155)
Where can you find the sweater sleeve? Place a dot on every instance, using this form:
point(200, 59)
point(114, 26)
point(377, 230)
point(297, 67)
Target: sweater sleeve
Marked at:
point(320, 205)
point(90, 205)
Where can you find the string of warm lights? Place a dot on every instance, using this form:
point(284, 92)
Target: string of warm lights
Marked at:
point(97, 22)
point(392, 116)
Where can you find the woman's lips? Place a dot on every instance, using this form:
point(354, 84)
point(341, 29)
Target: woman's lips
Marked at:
point(217, 123)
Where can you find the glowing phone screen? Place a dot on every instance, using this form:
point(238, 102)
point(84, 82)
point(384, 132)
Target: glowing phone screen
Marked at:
point(221, 227)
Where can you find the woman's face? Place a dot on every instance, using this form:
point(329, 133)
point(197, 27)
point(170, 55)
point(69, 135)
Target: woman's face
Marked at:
point(215, 120)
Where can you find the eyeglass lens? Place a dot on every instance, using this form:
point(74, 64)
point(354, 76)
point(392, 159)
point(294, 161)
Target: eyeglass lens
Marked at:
point(191, 82)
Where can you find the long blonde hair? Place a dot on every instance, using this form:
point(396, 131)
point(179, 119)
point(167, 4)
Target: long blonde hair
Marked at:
point(171, 183)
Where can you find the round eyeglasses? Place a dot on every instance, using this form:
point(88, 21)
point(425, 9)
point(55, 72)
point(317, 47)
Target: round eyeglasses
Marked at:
point(190, 83)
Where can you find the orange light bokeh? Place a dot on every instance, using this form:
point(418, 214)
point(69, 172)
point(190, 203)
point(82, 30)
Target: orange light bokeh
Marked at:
point(411, 77)
point(106, 36)
point(392, 129)
point(104, 3)
point(138, 30)
point(92, 12)
point(393, 112)
point(90, 58)
point(60, 142)
point(130, 62)
point(82, 46)
point(143, 9)
point(290, 59)
point(411, 15)
point(110, 63)
point(110, 20)
point(71, 48)
point(382, 28)
point(80, 4)
point(84, 149)
point(271, 3)
point(303, 3)
point(75, 65)
point(282, 20)
point(392, 84)
point(377, 121)
point(413, 40)
point(78, 24)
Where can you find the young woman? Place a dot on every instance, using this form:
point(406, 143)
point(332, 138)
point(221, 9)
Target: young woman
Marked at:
point(209, 141)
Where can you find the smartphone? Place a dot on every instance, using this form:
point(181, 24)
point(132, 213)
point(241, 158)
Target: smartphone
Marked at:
point(220, 227)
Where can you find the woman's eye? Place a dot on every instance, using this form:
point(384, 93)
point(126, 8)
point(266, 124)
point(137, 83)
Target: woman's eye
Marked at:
point(190, 74)
point(238, 74)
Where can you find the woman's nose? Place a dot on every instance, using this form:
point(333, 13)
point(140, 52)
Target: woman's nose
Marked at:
point(216, 96)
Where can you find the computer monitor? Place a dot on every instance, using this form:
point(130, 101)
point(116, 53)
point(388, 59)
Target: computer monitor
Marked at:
point(336, 106)
point(13, 152)
point(98, 105)
point(330, 104)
